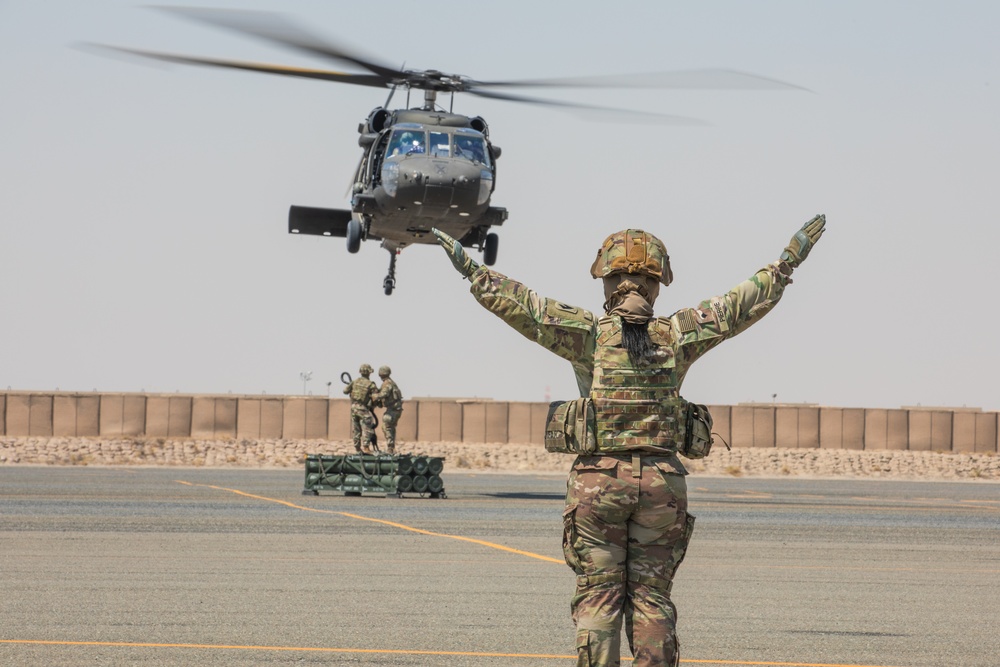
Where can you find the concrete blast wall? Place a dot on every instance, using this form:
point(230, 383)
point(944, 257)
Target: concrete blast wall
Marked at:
point(208, 417)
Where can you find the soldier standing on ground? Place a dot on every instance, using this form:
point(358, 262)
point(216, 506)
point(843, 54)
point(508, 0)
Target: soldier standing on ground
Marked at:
point(626, 526)
point(391, 399)
point(362, 391)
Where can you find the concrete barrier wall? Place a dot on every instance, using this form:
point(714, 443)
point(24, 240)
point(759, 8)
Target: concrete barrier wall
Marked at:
point(76, 416)
point(208, 417)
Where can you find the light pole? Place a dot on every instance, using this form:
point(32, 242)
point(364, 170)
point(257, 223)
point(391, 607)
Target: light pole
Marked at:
point(306, 376)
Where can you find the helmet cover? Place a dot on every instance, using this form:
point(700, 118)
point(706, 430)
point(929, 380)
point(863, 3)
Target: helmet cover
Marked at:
point(633, 251)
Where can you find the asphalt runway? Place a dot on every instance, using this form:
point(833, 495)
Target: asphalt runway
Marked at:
point(187, 566)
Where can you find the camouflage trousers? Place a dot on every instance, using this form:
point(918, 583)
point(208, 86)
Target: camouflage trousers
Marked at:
point(390, 418)
point(362, 426)
point(625, 531)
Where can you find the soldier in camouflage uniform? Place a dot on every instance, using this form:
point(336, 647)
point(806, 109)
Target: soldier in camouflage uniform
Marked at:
point(391, 398)
point(626, 524)
point(362, 391)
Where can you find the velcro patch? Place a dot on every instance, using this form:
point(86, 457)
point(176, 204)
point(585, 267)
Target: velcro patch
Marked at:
point(685, 321)
point(704, 316)
point(720, 314)
point(557, 312)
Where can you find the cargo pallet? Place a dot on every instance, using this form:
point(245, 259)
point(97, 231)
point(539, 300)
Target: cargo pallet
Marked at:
point(389, 475)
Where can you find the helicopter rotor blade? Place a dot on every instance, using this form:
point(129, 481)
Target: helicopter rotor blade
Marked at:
point(371, 80)
point(594, 111)
point(275, 28)
point(702, 79)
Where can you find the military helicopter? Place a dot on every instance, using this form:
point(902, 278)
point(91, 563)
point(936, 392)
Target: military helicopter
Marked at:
point(422, 167)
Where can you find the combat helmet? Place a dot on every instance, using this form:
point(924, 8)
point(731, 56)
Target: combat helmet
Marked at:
point(365, 370)
point(633, 251)
point(384, 371)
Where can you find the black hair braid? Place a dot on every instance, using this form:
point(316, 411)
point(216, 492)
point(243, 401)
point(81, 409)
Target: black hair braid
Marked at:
point(636, 341)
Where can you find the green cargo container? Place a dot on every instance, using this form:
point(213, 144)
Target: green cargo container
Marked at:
point(374, 475)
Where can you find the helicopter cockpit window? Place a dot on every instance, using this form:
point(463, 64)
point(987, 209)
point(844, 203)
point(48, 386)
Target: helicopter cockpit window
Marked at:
point(406, 142)
point(471, 148)
point(439, 144)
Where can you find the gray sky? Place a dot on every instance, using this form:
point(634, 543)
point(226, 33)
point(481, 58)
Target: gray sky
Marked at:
point(143, 209)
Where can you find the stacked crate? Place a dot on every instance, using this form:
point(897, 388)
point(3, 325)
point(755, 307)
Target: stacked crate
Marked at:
point(374, 474)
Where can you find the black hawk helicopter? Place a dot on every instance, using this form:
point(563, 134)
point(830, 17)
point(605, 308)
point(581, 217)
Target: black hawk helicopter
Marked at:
point(423, 167)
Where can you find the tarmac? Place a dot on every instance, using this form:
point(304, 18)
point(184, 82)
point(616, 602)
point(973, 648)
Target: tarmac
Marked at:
point(167, 566)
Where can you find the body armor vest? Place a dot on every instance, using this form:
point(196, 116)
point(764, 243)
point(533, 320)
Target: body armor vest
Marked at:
point(637, 408)
point(361, 392)
point(394, 399)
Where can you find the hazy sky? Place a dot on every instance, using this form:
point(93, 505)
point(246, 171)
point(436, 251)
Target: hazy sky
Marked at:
point(143, 209)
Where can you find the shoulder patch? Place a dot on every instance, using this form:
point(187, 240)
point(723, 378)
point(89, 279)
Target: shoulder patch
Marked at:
point(685, 321)
point(561, 312)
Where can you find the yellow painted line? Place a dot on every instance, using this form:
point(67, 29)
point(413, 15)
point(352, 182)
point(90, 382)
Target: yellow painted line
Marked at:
point(371, 651)
point(393, 524)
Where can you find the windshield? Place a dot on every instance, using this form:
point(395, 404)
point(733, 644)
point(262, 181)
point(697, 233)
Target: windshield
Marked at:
point(439, 144)
point(471, 148)
point(406, 142)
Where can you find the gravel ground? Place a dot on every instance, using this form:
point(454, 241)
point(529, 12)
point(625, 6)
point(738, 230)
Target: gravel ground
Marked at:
point(748, 462)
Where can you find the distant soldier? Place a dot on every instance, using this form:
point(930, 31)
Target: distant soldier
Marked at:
point(362, 391)
point(391, 399)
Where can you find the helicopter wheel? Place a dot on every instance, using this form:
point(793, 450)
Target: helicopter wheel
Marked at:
point(390, 279)
point(490, 249)
point(353, 236)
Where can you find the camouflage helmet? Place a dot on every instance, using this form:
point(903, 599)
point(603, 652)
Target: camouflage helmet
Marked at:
point(384, 371)
point(633, 251)
point(365, 370)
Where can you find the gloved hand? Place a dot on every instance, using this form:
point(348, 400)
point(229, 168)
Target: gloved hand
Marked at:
point(456, 253)
point(803, 241)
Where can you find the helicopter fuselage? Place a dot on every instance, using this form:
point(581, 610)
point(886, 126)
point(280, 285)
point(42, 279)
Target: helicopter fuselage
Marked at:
point(416, 177)
point(421, 169)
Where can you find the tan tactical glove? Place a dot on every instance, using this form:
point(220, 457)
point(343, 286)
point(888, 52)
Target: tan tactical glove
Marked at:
point(803, 241)
point(456, 253)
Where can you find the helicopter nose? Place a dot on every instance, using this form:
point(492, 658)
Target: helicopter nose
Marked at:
point(439, 188)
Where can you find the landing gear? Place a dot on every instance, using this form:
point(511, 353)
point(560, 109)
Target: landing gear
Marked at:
point(353, 236)
point(390, 279)
point(490, 248)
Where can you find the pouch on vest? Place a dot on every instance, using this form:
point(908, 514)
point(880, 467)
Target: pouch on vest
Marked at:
point(359, 392)
point(698, 434)
point(570, 427)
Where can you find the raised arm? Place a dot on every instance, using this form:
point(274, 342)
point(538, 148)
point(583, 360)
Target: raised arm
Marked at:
point(566, 330)
point(714, 320)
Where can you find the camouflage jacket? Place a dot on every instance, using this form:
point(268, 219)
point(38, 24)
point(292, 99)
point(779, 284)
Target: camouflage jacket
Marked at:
point(389, 395)
point(572, 332)
point(362, 391)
